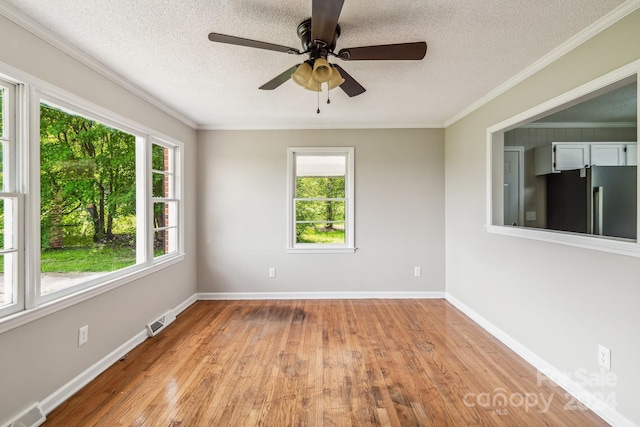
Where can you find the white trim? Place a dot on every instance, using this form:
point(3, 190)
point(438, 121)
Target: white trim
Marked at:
point(598, 406)
point(69, 389)
point(31, 91)
point(520, 150)
point(332, 126)
point(606, 21)
point(349, 199)
point(185, 304)
point(316, 249)
point(31, 175)
point(206, 296)
point(584, 241)
point(30, 314)
point(495, 138)
point(47, 36)
point(59, 396)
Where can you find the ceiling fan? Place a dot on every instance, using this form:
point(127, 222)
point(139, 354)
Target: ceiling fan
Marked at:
point(318, 36)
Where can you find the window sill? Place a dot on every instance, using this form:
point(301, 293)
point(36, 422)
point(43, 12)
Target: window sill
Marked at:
point(26, 316)
point(603, 244)
point(317, 250)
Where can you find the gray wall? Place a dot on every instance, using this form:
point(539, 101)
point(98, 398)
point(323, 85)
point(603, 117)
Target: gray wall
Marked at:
point(42, 356)
point(399, 220)
point(559, 301)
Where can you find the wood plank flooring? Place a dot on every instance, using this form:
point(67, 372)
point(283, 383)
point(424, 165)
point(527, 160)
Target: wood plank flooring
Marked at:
point(321, 363)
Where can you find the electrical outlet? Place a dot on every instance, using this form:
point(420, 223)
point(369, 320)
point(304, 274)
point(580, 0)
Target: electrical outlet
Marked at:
point(417, 271)
point(272, 272)
point(83, 335)
point(604, 357)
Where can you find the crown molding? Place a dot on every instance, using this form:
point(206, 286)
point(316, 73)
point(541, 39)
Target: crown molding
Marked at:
point(50, 38)
point(222, 296)
point(320, 127)
point(600, 25)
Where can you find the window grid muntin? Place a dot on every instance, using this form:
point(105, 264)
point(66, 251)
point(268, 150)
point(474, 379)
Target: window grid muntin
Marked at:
point(171, 216)
point(11, 251)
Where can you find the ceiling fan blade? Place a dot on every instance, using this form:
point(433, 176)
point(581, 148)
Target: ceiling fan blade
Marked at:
point(324, 18)
point(350, 86)
point(239, 41)
point(278, 80)
point(400, 51)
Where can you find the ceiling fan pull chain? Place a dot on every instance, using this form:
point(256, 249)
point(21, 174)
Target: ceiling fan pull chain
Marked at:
point(318, 112)
point(328, 95)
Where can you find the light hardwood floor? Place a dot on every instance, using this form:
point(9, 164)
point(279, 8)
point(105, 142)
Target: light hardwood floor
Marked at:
point(321, 363)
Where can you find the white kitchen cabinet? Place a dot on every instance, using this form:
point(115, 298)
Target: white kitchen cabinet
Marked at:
point(607, 155)
point(632, 155)
point(561, 156)
point(571, 156)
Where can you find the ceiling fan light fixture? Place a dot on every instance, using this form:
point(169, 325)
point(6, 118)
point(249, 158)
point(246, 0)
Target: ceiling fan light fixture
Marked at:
point(322, 70)
point(313, 85)
point(302, 75)
point(336, 79)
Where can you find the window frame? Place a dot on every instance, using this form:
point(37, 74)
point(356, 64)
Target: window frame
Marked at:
point(174, 193)
point(35, 198)
point(8, 141)
point(494, 177)
point(25, 168)
point(348, 246)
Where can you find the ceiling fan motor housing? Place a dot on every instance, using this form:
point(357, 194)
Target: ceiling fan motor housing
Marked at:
point(315, 49)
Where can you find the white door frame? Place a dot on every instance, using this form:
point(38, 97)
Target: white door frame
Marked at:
point(520, 150)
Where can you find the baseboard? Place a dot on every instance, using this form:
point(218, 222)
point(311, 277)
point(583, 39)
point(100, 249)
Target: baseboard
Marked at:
point(69, 389)
point(603, 409)
point(319, 295)
point(185, 304)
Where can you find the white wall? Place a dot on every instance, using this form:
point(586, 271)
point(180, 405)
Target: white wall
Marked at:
point(399, 204)
point(558, 301)
point(42, 356)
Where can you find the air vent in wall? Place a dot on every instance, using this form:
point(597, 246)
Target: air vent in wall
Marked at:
point(159, 324)
point(31, 417)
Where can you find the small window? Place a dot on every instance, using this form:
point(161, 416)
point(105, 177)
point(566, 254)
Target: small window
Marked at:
point(165, 200)
point(321, 199)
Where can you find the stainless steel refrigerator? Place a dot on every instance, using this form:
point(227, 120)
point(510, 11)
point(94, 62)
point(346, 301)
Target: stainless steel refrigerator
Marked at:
point(598, 200)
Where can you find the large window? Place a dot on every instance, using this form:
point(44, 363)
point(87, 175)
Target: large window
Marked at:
point(321, 199)
point(87, 199)
point(91, 200)
point(566, 171)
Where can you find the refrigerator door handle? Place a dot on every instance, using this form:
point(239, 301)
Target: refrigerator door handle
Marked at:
point(598, 194)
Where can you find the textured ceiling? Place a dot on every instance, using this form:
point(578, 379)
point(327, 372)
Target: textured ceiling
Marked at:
point(162, 47)
point(619, 105)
